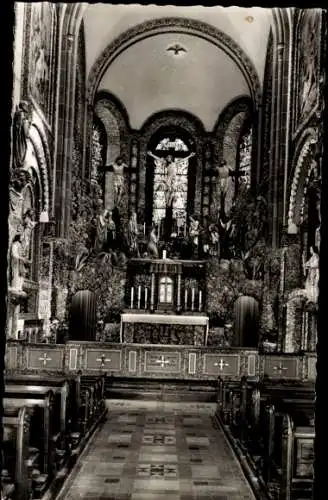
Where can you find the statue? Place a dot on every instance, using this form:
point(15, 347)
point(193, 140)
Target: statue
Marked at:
point(101, 231)
point(152, 244)
point(194, 234)
point(28, 226)
point(17, 264)
point(111, 231)
point(119, 183)
point(133, 234)
point(311, 268)
point(21, 127)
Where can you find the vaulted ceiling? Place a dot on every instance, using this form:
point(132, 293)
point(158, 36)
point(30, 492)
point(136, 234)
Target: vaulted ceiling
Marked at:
point(147, 78)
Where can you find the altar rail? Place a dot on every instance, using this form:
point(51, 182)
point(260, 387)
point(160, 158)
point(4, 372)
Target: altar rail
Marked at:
point(157, 361)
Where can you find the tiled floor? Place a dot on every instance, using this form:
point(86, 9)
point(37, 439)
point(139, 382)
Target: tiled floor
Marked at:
point(158, 451)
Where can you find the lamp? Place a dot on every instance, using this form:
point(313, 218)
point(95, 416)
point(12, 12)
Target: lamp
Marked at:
point(44, 217)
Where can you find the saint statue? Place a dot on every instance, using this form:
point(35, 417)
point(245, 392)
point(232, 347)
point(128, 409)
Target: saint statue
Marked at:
point(28, 226)
point(111, 231)
point(119, 183)
point(21, 127)
point(133, 234)
point(101, 231)
point(152, 244)
point(311, 268)
point(194, 230)
point(17, 264)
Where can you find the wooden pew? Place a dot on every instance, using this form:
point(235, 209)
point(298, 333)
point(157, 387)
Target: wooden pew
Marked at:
point(16, 440)
point(42, 418)
point(68, 407)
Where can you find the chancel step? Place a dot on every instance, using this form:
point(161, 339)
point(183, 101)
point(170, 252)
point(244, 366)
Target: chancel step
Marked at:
point(167, 390)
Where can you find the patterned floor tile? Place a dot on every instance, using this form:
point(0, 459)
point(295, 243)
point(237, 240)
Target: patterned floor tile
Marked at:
point(158, 451)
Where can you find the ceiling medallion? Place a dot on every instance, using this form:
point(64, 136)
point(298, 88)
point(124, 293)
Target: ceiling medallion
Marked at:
point(176, 50)
point(249, 19)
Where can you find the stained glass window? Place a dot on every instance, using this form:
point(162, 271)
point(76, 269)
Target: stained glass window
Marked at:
point(171, 182)
point(245, 158)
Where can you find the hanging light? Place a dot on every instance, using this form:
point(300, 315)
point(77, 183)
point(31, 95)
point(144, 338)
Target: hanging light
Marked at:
point(44, 217)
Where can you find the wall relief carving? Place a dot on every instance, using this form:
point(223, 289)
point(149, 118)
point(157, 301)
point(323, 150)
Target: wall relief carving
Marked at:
point(41, 54)
point(309, 64)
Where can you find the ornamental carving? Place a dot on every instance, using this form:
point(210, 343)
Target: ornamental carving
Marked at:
point(309, 64)
point(172, 24)
point(306, 162)
point(41, 54)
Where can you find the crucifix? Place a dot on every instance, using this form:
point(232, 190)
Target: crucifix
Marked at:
point(162, 361)
point(102, 360)
point(221, 364)
point(44, 359)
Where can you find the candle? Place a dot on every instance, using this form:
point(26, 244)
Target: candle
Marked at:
point(164, 254)
point(132, 297)
point(144, 229)
point(200, 300)
point(192, 298)
point(139, 296)
point(185, 228)
point(146, 297)
point(186, 298)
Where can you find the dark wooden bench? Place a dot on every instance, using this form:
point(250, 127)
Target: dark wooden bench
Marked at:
point(69, 402)
point(16, 475)
point(43, 429)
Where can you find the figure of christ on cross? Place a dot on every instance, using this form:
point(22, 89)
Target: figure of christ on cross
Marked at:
point(169, 166)
point(169, 184)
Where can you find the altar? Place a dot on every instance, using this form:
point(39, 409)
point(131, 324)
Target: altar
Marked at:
point(166, 319)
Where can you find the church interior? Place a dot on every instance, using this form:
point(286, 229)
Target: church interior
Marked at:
point(164, 233)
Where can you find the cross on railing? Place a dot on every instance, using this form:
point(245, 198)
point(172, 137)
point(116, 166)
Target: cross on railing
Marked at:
point(103, 360)
point(44, 359)
point(222, 364)
point(279, 368)
point(162, 361)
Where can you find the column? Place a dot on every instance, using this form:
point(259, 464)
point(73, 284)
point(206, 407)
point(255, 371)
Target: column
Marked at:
point(179, 293)
point(152, 291)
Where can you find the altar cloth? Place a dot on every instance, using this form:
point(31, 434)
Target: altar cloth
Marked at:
point(165, 319)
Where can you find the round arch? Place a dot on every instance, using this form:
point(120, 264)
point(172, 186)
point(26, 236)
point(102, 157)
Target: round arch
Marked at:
point(168, 25)
point(303, 163)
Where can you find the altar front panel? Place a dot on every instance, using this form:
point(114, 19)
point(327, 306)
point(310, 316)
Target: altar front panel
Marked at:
point(156, 361)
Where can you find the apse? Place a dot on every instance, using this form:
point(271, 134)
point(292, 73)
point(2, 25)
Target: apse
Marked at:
point(199, 78)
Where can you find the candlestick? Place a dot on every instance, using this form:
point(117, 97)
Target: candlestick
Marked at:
point(186, 298)
point(139, 296)
point(132, 297)
point(146, 297)
point(192, 298)
point(200, 300)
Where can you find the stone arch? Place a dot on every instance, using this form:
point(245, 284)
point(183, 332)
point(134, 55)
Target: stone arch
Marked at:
point(242, 106)
point(167, 25)
point(115, 119)
point(304, 162)
point(178, 119)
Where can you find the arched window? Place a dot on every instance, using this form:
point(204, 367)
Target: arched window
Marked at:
point(245, 158)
